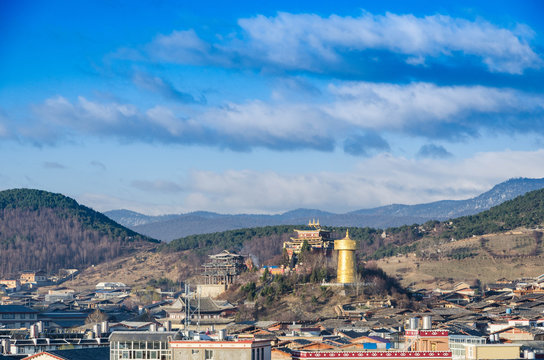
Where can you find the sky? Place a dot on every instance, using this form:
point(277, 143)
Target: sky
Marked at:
point(263, 107)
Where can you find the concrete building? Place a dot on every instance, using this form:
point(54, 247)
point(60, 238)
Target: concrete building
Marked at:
point(151, 345)
point(492, 351)
point(371, 355)
point(17, 316)
point(221, 350)
point(33, 277)
point(101, 353)
point(33, 346)
point(169, 345)
point(458, 344)
point(11, 284)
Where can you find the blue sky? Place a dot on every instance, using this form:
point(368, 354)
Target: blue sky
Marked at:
point(170, 107)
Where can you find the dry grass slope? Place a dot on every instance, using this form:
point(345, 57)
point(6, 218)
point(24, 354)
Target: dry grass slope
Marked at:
point(490, 257)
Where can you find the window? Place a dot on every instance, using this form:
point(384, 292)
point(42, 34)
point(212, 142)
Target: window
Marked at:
point(195, 351)
point(8, 316)
point(208, 354)
point(470, 352)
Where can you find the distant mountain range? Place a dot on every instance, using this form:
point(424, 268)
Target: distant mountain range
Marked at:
point(169, 227)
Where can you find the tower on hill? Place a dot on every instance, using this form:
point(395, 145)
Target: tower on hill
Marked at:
point(346, 269)
point(315, 236)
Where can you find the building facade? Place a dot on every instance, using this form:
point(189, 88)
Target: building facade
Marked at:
point(223, 268)
point(140, 345)
point(17, 316)
point(169, 345)
point(221, 350)
point(316, 237)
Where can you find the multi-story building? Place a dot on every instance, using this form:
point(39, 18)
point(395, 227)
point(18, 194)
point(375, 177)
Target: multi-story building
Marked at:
point(458, 344)
point(136, 345)
point(316, 237)
point(20, 347)
point(11, 284)
point(422, 343)
point(223, 268)
point(33, 277)
point(492, 351)
point(168, 345)
point(17, 316)
point(244, 349)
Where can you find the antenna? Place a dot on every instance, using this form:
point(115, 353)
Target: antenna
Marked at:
point(187, 307)
point(191, 312)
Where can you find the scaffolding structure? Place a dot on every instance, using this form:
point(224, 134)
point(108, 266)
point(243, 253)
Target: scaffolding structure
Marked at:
point(223, 268)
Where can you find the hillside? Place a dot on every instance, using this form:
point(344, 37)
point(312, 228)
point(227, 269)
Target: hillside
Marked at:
point(169, 227)
point(505, 241)
point(40, 230)
point(427, 240)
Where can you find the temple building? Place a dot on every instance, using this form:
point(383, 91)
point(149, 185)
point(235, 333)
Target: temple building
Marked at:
point(315, 236)
point(223, 268)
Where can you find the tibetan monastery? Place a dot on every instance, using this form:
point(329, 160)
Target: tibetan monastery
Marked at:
point(317, 238)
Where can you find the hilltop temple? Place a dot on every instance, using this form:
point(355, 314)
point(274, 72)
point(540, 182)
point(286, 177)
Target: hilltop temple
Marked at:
point(319, 239)
point(316, 237)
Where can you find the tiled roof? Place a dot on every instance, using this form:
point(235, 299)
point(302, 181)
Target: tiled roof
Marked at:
point(15, 309)
point(99, 353)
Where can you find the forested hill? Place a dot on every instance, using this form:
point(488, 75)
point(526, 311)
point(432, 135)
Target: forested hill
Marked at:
point(40, 230)
point(266, 242)
point(524, 211)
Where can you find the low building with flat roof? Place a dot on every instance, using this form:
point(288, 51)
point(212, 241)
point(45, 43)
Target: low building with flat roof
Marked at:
point(151, 345)
point(246, 349)
point(170, 345)
point(17, 316)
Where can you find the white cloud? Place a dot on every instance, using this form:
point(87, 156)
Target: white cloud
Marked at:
point(162, 87)
point(314, 43)
point(413, 107)
point(184, 47)
point(352, 109)
point(105, 202)
point(392, 180)
point(160, 186)
point(165, 118)
point(283, 125)
point(295, 40)
point(85, 115)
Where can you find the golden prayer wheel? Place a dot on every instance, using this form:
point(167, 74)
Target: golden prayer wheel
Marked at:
point(346, 270)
